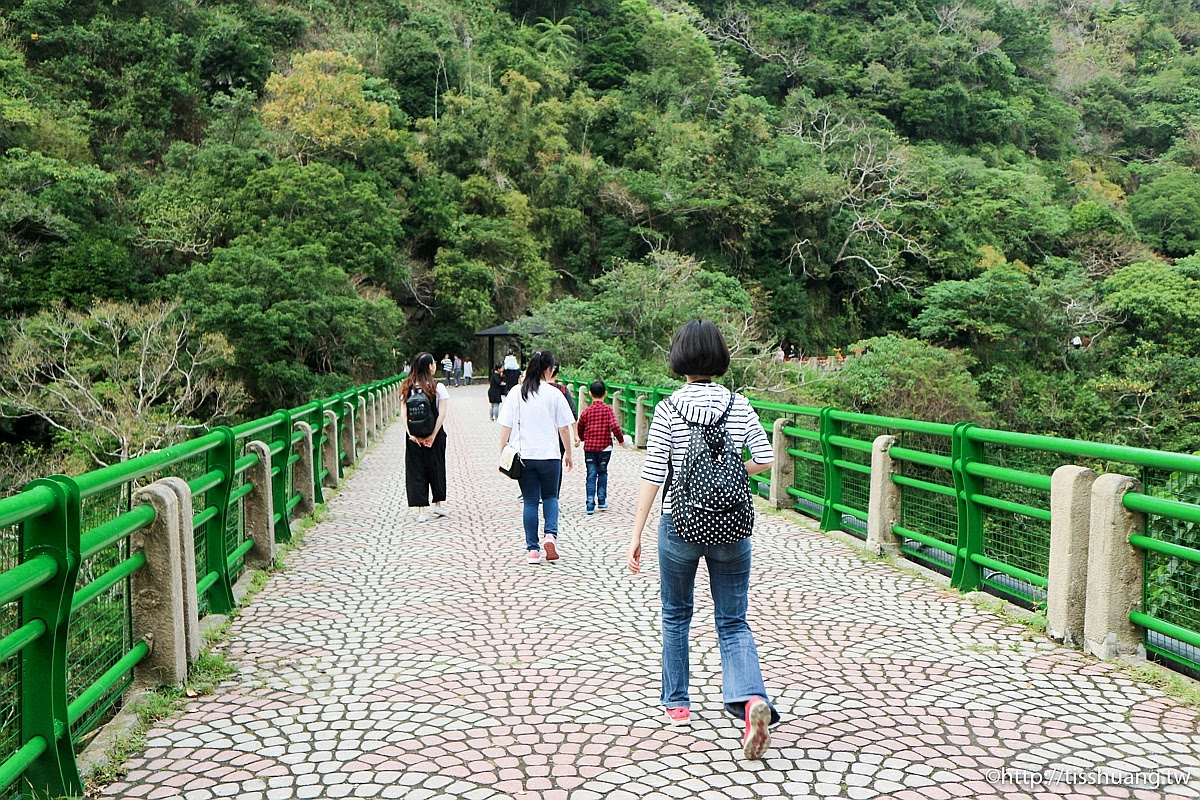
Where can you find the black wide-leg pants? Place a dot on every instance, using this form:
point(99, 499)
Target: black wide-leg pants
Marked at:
point(425, 471)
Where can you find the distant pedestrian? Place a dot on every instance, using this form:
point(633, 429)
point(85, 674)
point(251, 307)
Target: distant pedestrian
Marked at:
point(423, 414)
point(458, 371)
point(538, 420)
point(468, 371)
point(698, 416)
point(496, 390)
point(447, 368)
point(596, 428)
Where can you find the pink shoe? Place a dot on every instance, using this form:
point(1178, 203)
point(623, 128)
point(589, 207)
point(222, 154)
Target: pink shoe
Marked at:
point(679, 717)
point(551, 548)
point(757, 738)
point(534, 557)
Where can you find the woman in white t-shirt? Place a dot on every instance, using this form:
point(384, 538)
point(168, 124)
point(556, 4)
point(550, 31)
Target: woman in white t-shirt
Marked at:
point(538, 419)
point(425, 450)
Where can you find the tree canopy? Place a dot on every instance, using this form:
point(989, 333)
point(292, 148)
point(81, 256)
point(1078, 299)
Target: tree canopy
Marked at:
point(1004, 197)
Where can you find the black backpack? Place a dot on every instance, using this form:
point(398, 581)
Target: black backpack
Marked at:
point(422, 418)
point(710, 495)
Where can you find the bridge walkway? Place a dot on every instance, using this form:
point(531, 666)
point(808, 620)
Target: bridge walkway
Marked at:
point(398, 659)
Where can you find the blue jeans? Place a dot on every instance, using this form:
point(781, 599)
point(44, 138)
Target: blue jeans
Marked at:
point(729, 581)
point(597, 477)
point(539, 484)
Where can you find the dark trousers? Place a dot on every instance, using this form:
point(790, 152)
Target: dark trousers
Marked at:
point(425, 470)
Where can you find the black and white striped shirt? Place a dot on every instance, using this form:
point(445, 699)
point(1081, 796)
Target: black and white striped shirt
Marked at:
point(668, 436)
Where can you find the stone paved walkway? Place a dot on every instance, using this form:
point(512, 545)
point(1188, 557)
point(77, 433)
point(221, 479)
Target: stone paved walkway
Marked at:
point(402, 660)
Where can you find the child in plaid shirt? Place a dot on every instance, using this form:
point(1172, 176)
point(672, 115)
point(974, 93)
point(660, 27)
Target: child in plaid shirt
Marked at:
point(597, 427)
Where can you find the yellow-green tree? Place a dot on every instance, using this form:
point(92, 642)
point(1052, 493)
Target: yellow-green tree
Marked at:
point(321, 107)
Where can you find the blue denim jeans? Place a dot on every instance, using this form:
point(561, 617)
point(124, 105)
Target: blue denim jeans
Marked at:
point(597, 477)
point(729, 581)
point(539, 485)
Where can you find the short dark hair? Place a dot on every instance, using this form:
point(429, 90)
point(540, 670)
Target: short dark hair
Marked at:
point(598, 389)
point(699, 349)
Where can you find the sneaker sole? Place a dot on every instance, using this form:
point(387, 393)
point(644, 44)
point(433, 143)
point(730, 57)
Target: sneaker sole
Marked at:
point(678, 723)
point(760, 738)
point(551, 550)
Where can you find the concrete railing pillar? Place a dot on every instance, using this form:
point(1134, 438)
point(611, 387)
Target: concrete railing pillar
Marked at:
point(329, 451)
point(349, 438)
point(374, 415)
point(187, 566)
point(156, 591)
point(784, 470)
point(641, 425)
point(361, 419)
point(616, 405)
point(1070, 522)
point(584, 398)
point(258, 509)
point(883, 509)
point(1114, 576)
point(302, 471)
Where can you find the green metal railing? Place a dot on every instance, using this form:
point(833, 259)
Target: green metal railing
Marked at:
point(975, 503)
point(66, 641)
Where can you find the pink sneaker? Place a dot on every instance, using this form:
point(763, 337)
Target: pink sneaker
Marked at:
point(757, 738)
point(534, 557)
point(679, 717)
point(550, 544)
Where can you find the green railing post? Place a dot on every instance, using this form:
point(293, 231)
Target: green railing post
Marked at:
point(316, 420)
point(281, 450)
point(831, 518)
point(966, 575)
point(220, 458)
point(628, 410)
point(44, 662)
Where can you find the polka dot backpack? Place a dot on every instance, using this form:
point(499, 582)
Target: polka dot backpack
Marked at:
point(710, 495)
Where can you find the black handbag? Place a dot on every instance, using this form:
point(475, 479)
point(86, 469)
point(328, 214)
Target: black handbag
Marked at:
point(510, 462)
point(510, 458)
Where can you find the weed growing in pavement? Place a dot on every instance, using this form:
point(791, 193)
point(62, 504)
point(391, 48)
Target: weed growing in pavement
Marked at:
point(203, 678)
point(1181, 688)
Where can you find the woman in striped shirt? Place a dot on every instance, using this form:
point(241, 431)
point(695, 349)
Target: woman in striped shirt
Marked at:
point(698, 352)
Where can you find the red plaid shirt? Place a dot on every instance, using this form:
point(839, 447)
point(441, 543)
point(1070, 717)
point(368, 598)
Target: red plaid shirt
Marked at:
point(597, 426)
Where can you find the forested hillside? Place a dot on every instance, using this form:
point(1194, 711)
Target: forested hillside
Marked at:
point(212, 209)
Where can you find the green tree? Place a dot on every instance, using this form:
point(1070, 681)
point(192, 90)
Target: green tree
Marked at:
point(321, 107)
point(897, 377)
point(1167, 211)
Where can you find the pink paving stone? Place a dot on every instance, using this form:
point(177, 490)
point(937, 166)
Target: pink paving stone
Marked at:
point(537, 784)
point(164, 791)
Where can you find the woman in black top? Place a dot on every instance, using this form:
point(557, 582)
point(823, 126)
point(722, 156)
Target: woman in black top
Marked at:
point(496, 390)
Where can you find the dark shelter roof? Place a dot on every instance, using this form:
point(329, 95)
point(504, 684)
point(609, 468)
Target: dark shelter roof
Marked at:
point(503, 330)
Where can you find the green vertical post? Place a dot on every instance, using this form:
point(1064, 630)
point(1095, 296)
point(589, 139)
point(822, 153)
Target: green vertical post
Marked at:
point(316, 420)
point(966, 575)
point(44, 662)
point(831, 518)
point(220, 458)
point(628, 409)
point(281, 441)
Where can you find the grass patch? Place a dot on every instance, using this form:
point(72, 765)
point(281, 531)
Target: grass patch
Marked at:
point(1180, 688)
point(203, 678)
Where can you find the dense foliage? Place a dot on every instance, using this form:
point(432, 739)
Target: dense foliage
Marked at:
point(971, 186)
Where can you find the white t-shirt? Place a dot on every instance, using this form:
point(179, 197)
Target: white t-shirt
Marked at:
point(467, 370)
point(535, 422)
point(510, 362)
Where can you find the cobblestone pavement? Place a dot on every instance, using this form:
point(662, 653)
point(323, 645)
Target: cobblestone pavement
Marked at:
point(399, 659)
